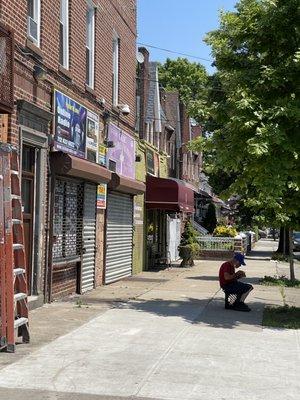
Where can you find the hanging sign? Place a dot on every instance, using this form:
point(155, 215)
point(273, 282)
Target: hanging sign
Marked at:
point(101, 196)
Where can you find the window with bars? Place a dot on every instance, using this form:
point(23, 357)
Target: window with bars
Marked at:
point(68, 218)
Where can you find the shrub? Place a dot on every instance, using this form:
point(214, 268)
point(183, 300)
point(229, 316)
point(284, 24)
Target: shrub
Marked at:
point(189, 235)
point(225, 231)
point(189, 246)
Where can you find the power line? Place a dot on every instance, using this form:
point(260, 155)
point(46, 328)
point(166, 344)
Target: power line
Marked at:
point(210, 88)
point(174, 52)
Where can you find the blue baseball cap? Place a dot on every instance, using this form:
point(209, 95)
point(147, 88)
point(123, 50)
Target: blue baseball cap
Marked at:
point(240, 258)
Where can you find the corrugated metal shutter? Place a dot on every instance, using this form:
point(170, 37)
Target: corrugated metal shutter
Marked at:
point(119, 236)
point(88, 238)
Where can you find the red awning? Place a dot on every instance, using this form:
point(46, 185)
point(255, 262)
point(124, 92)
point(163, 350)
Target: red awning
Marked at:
point(168, 194)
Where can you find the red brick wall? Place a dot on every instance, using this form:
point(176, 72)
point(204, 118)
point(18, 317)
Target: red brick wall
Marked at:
point(111, 16)
point(114, 16)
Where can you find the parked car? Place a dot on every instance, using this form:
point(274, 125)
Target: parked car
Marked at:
point(296, 241)
point(262, 234)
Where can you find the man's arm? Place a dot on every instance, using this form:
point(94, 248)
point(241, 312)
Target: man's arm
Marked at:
point(229, 277)
point(235, 275)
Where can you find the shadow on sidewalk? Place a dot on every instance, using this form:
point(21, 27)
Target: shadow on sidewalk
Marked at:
point(216, 278)
point(194, 311)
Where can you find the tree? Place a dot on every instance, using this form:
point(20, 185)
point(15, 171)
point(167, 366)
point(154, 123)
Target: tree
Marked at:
point(189, 79)
point(210, 219)
point(256, 50)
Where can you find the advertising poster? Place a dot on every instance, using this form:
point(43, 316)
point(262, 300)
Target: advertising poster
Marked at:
point(70, 125)
point(102, 150)
point(101, 196)
point(92, 132)
point(123, 152)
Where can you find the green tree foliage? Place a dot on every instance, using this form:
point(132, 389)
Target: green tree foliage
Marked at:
point(210, 219)
point(255, 117)
point(189, 79)
point(189, 235)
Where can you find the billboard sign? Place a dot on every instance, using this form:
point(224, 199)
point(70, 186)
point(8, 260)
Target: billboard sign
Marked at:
point(70, 125)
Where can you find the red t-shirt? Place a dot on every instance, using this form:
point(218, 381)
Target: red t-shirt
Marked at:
point(225, 267)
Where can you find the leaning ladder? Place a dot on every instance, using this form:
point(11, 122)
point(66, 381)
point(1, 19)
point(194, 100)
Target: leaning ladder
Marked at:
point(14, 300)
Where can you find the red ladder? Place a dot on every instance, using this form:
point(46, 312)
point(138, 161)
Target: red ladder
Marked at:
point(14, 300)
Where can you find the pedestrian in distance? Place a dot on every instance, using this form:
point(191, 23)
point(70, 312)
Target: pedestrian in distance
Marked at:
point(229, 282)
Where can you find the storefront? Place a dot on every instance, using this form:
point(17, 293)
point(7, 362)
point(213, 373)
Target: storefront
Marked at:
point(168, 202)
point(120, 205)
point(73, 218)
point(77, 173)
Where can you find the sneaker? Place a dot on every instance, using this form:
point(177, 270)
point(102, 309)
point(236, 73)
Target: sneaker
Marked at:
point(241, 307)
point(229, 307)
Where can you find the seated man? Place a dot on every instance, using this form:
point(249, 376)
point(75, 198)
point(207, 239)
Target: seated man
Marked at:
point(228, 279)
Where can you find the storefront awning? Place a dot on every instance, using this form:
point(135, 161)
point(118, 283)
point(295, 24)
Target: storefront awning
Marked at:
point(168, 194)
point(126, 185)
point(66, 164)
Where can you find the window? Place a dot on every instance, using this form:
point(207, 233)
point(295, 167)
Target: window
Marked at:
point(90, 45)
point(67, 219)
point(64, 34)
point(116, 49)
point(34, 20)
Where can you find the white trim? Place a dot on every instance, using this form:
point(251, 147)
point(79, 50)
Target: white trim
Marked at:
point(64, 20)
point(37, 19)
point(90, 44)
point(115, 71)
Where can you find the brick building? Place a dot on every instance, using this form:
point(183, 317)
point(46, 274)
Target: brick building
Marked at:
point(165, 130)
point(74, 74)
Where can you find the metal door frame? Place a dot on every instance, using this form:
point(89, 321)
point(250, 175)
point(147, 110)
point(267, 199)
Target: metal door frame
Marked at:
point(39, 141)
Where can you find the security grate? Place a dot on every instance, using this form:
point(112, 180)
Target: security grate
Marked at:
point(6, 70)
point(68, 217)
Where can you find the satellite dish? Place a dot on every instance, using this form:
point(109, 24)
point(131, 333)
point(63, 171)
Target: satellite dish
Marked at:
point(140, 57)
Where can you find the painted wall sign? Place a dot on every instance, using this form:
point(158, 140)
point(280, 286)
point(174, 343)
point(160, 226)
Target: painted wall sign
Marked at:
point(101, 196)
point(69, 125)
point(123, 152)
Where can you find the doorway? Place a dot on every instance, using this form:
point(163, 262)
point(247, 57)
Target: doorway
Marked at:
point(28, 200)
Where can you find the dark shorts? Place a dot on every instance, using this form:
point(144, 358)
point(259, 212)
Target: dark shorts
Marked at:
point(237, 288)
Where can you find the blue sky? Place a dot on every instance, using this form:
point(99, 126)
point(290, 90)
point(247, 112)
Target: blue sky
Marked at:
point(180, 26)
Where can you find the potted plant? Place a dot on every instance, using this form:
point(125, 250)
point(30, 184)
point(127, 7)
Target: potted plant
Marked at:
point(188, 246)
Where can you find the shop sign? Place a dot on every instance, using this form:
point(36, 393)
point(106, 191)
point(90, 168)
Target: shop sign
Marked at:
point(102, 150)
point(92, 134)
point(101, 196)
point(69, 125)
point(123, 152)
point(150, 162)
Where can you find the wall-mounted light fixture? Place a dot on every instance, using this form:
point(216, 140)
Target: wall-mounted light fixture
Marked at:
point(109, 143)
point(39, 73)
point(101, 102)
point(124, 109)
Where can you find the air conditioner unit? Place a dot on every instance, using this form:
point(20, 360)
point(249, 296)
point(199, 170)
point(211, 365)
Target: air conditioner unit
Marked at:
point(32, 28)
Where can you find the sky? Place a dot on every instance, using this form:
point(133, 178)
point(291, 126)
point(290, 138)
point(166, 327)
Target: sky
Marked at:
point(179, 26)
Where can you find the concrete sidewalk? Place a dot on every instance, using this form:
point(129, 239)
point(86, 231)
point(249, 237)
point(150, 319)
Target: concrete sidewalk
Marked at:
point(159, 335)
